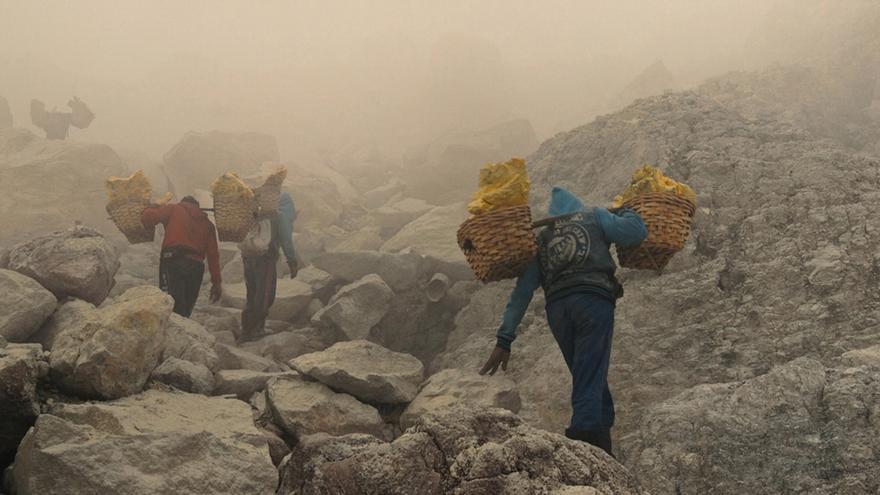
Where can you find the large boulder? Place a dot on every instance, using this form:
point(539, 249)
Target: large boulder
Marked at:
point(451, 387)
point(365, 370)
point(71, 314)
point(200, 157)
point(24, 306)
point(433, 235)
point(185, 375)
point(244, 383)
point(233, 358)
point(51, 184)
point(356, 308)
point(77, 262)
point(459, 450)
point(286, 345)
point(399, 271)
point(21, 367)
point(302, 408)
point(155, 442)
point(321, 282)
point(291, 298)
point(816, 421)
point(188, 340)
point(112, 351)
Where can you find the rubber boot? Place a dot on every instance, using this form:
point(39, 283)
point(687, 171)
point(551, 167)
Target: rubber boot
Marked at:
point(596, 438)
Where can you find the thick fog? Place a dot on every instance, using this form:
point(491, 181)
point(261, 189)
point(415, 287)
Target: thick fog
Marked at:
point(326, 75)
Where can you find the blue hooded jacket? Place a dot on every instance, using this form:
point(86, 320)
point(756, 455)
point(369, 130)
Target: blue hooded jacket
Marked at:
point(283, 225)
point(624, 228)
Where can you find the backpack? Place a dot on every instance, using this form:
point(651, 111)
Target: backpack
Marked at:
point(257, 240)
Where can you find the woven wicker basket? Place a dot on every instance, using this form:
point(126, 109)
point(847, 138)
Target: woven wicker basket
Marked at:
point(267, 197)
point(499, 244)
point(233, 216)
point(127, 217)
point(668, 218)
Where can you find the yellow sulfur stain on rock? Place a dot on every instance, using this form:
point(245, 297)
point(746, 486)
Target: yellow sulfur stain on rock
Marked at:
point(649, 179)
point(502, 185)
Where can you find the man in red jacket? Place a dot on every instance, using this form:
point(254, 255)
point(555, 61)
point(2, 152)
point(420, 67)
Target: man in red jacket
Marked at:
point(189, 239)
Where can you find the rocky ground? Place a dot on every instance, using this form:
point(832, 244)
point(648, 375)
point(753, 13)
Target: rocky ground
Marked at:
point(750, 365)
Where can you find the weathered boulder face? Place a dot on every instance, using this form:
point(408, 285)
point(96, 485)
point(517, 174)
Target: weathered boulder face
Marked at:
point(814, 424)
point(453, 387)
point(51, 184)
point(112, 353)
point(233, 358)
point(21, 366)
point(365, 370)
point(456, 451)
point(356, 308)
point(291, 298)
point(286, 345)
point(155, 442)
point(70, 315)
point(433, 235)
point(77, 262)
point(244, 383)
point(399, 271)
point(24, 306)
point(185, 375)
point(200, 157)
point(188, 340)
point(302, 408)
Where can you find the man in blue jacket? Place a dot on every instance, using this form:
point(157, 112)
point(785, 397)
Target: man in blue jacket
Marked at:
point(576, 270)
point(260, 276)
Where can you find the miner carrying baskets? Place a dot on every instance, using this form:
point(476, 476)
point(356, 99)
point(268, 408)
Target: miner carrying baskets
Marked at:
point(570, 258)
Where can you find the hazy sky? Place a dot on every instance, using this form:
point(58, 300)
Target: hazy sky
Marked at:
point(322, 74)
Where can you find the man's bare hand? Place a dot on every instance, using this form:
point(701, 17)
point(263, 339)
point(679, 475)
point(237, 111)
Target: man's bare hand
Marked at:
point(216, 292)
point(499, 357)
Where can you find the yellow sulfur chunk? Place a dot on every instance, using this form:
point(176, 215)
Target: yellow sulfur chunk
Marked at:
point(230, 184)
point(133, 189)
point(502, 185)
point(648, 180)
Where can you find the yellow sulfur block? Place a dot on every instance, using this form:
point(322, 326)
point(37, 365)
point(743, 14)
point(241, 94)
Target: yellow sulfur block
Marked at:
point(502, 185)
point(649, 179)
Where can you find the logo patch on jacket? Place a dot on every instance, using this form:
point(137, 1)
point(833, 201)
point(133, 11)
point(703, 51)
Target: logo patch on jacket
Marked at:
point(568, 245)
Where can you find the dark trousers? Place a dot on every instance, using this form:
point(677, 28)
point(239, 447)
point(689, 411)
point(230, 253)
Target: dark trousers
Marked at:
point(260, 279)
point(583, 325)
point(181, 277)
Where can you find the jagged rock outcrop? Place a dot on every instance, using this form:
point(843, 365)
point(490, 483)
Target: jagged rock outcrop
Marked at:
point(805, 420)
point(450, 387)
point(303, 407)
point(110, 352)
point(459, 450)
point(24, 306)
point(365, 370)
point(78, 262)
point(21, 367)
point(51, 184)
point(154, 442)
point(356, 308)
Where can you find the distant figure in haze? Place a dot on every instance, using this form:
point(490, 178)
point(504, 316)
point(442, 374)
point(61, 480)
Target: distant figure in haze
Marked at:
point(190, 237)
point(576, 270)
point(5, 114)
point(57, 124)
point(259, 255)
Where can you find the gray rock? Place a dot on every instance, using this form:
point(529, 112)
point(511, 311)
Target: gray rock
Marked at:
point(452, 387)
point(291, 298)
point(303, 408)
point(393, 217)
point(112, 352)
point(284, 346)
point(320, 281)
point(365, 239)
point(24, 306)
point(432, 234)
point(217, 319)
point(188, 340)
point(70, 315)
point(244, 383)
point(155, 442)
point(365, 370)
point(356, 308)
point(399, 271)
point(377, 197)
point(78, 262)
point(233, 358)
point(185, 375)
point(21, 367)
point(862, 357)
point(458, 451)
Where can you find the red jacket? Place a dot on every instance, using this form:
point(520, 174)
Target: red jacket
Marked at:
point(186, 225)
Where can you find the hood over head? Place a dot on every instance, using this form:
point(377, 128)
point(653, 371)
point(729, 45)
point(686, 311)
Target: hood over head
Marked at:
point(563, 202)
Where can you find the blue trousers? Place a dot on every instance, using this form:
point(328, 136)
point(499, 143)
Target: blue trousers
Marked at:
point(583, 325)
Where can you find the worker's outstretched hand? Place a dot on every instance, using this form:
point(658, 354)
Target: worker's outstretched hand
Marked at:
point(216, 292)
point(498, 358)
